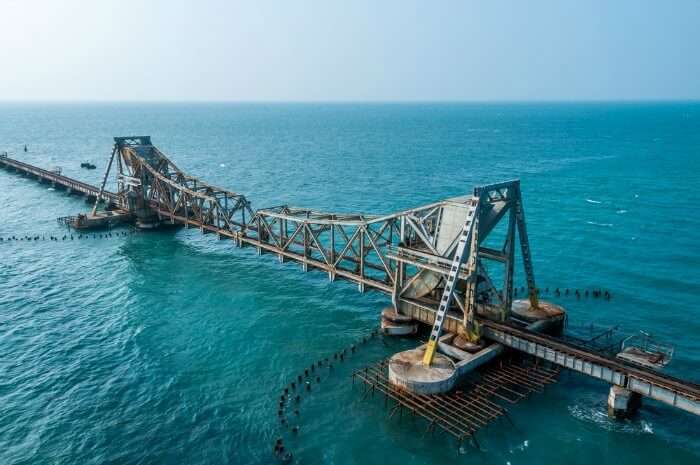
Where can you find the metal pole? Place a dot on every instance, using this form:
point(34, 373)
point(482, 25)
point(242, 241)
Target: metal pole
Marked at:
point(104, 180)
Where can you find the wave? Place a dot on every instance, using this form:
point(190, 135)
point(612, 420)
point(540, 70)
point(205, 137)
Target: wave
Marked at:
point(519, 448)
point(621, 212)
point(593, 201)
point(607, 225)
point(584, 411)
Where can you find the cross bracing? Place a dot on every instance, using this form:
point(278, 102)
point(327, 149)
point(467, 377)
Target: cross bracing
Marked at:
point(407, 254)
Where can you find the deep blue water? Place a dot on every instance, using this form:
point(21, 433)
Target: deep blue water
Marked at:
point(171, 347)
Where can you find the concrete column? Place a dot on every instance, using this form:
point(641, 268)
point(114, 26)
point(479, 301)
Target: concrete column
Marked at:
point(623, 403)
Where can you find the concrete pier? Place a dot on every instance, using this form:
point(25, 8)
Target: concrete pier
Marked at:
point(623, 403)
point(406, 370)
point(396, 324)
point(464, 355)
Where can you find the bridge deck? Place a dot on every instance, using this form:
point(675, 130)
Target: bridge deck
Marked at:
point(645, 381)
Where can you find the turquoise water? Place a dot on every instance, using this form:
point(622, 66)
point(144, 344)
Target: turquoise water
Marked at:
point(171, 347)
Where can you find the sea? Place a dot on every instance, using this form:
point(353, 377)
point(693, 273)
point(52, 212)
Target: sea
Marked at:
point(172, 347)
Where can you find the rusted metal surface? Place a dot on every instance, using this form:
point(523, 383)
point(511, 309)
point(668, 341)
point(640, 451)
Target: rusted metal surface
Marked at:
point(103, 219)
point(153, 185)
point(374, 251)
point(463, 412)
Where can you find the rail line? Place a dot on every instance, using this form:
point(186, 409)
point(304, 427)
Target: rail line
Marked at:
point(647, 382)
point(58, 179)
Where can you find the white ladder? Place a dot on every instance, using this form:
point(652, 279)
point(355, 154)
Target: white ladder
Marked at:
point(448, 292)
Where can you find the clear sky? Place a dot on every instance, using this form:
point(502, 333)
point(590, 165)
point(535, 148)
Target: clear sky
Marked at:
point(346, 51)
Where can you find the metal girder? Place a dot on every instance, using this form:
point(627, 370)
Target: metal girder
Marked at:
point(390, 252)
point(165, 189)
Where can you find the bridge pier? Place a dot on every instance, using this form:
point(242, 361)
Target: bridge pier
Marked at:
point(146, 218)
point(147, 223)
point(623, 403)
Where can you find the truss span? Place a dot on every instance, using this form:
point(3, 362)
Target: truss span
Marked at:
point(403, 252)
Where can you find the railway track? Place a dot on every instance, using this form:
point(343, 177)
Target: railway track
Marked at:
point(648, 382)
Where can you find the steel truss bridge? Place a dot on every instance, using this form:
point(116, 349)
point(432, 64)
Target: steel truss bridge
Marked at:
point(406, 255)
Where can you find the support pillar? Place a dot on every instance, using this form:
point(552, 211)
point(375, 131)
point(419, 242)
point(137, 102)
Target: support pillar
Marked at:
point(623, 403)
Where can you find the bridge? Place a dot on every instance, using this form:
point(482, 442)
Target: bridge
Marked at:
point(409, 255)
point(56, 179)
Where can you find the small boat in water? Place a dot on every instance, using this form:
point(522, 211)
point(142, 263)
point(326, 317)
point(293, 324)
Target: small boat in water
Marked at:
point(88, 165)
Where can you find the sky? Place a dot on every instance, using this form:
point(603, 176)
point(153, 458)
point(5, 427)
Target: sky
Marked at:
point(353, 50)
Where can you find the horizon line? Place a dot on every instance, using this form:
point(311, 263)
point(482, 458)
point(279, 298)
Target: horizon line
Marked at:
point(351, 102)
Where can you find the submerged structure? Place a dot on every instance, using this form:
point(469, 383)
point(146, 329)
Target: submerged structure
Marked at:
point(448, 266)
